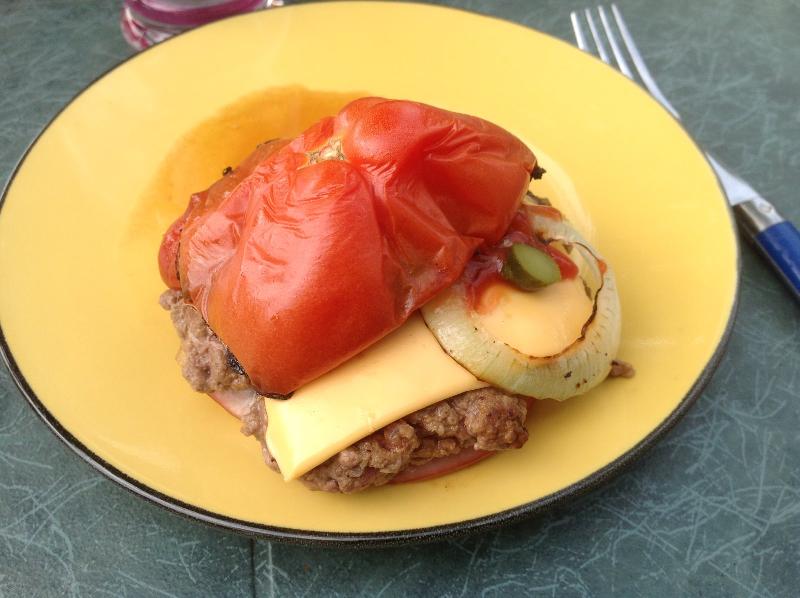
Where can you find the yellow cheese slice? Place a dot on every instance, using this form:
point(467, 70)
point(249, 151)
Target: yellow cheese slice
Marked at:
point(402, 373)
point(540, 323)
point(408, 371)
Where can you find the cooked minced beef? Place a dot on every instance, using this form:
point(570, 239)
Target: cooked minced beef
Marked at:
point(202, 356)
point(621, 369)
point(484, 419)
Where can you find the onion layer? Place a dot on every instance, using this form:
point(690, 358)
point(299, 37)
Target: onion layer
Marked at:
point(579, 367)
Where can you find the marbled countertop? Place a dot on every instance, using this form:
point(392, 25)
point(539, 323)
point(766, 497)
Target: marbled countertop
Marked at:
point(712, 510)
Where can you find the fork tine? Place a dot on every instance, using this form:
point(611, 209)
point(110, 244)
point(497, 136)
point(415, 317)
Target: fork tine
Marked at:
point(639, 63)
point(612, 40)
point(598, 41)
point(581, 38)
point(576, 27)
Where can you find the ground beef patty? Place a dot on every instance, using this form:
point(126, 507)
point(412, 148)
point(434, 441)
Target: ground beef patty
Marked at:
point(483, 419)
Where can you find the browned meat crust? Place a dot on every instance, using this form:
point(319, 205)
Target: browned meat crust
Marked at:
point(372, 461)
point(254, 423)
point(621, 369)
point(484, 419)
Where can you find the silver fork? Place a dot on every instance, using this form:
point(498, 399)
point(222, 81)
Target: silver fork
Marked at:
point(777, 238)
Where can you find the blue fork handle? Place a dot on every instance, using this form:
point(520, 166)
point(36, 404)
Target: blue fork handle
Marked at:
point(776, 238)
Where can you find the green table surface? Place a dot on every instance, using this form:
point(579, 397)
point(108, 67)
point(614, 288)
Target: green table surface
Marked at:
point(712, 510)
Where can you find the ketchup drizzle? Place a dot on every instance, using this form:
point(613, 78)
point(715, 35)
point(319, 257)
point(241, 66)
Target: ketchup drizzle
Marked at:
point(483, 270)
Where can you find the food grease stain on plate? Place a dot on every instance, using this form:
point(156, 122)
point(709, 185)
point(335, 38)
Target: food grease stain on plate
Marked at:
point(198, 158)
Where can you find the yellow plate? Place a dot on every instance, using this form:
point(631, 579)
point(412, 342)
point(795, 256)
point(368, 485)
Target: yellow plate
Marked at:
point(82, 218)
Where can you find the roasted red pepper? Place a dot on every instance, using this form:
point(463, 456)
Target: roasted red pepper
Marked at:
point(310, 252)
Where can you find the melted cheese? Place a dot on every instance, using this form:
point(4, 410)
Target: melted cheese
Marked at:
point(402, 373)
point(408, 371)
point(541, 323)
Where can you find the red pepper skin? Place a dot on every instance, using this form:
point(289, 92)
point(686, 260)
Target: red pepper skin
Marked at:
point(309, 253)
point(168, 254)
point(203, 202)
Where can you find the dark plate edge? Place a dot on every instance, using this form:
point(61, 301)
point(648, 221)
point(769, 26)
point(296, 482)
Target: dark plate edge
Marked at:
point(372, 539)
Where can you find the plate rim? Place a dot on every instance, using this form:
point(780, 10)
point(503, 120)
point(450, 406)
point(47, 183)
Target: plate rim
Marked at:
point(392, 537)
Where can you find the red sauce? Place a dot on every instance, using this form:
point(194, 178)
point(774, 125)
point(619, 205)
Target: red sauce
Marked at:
point(483, 270)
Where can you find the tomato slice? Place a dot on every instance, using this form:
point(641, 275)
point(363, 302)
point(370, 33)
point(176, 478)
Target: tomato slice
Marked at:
point(441, 466)
point(235, 402)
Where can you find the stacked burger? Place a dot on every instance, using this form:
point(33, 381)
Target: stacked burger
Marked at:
point(381, 298)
